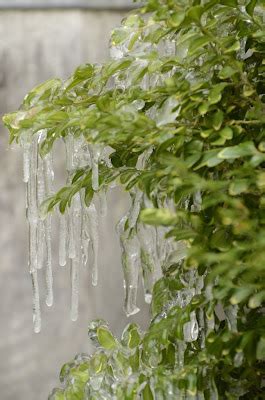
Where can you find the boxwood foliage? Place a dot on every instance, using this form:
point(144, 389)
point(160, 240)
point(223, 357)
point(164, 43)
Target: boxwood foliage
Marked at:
point(203, 111)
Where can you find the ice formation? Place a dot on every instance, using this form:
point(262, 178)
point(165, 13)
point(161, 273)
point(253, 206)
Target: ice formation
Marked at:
point(144, 252)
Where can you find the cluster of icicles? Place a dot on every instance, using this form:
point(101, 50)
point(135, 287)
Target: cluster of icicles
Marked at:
point(78, 227)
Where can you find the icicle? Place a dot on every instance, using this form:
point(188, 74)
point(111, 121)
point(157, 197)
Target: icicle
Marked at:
point(32, 211)
point(85, 244)
point(202, 328)
point(36, 302)
point(48, 173)
point(69, 147)
point(48, 177)
point(75, 262)
point(40, 228)
point(130, 263)
point(105, 156)
point(147, 260)
point(26, 162)
point(62, 239)
point(135, 209)
point(49, 274)
point(95, 155)
point(102, 203)
point(197, 202)
point(191, 328)
point(161, 244)
point(72, 248)
point(181, 352)
point(93, 228)
point(231, 316)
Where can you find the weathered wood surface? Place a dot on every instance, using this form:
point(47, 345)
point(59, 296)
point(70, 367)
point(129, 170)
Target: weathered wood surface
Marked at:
point(35, 46)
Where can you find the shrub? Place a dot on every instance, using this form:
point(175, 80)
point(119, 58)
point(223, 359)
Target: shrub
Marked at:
point(180, 109)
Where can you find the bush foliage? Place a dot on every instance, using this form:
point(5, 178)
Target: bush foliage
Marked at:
point(190, 83)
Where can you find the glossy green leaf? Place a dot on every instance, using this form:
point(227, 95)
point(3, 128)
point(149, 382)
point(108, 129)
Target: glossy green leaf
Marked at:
point(105, 338)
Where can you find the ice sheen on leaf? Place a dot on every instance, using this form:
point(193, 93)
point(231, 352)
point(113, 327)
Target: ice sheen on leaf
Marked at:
point(176, 117)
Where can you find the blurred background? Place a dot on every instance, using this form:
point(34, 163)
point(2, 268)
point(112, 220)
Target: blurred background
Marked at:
point(40, 39)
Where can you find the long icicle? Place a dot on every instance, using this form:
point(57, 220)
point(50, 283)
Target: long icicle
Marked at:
point(130, 264)
point(36, 302)
point(41, 224)
point(93, 227)
point(26, 162)
point(49, 274)
point(95, 152)
point(62, 240)
point(76, 261)
point(147, 260)
point(32, 216)
point(48, 177)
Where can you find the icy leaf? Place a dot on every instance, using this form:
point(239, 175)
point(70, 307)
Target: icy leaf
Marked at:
point(106, 339)
point(131, 337)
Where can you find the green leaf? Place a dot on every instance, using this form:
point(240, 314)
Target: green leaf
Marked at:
point(215, 94)
point(155, 216)
point(240, 295)
point(197, 44)
point(105, 338)
point(234, 47)
point(195, 13)
point(229, 3)
point(217, 119)
point(203, 108)
point(192, 384)
point(251, 7)
point(261, 349)
point(241, 150)
point(227, 72)
point(147, 393)
point(210, 159)
point(131, 337)
point(226, 133)
point(257, 299)
point(238, 186)
point(176, 19)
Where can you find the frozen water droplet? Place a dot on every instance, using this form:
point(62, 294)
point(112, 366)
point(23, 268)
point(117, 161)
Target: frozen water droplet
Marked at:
point(138, 104)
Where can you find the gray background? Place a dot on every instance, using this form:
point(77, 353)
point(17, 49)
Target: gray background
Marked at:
point(34, 46)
